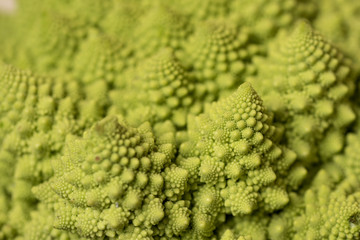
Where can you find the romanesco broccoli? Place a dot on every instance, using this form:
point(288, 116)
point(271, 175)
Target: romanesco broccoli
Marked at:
point(180, 120)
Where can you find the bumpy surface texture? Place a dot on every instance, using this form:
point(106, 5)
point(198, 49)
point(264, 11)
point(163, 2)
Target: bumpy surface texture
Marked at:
point(115, 179)
point(235, 160)
point(180, 120)
point(307, 82)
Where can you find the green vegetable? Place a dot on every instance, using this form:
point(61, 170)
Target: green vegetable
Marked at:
point(190, 119)
point(323, 212)
point(307, 82)
point(117, 178)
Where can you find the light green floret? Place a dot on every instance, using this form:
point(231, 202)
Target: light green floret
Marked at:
point(349, 160)
point(307, 82)
point(339, 20)
point(159, 89)
point(220, 55)
point(99, 63)
point(41, 227)
point(54, 42)
point(207, 212)
point(161, 26)
point(6, 230)
point(323, 212)
point(118, 179)
point(36, 113)
point(245, 228)
point(101, 58)
point(266, 17)
point(233, 149)
point(229, 235)
point(122, 18)
point(91, 11)
point(205, 9)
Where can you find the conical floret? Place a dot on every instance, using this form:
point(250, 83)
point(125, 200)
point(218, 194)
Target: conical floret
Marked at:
point(308, 83)
point(117, 177)
point(220, 55)
point(161, 89)
point(239, 157)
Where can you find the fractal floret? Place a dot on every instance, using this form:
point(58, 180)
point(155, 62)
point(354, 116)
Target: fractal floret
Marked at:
point(116, 179)
point(327, 210)
point(234, 159)
point(179, 120)
point(307, 82)
point(169, 92)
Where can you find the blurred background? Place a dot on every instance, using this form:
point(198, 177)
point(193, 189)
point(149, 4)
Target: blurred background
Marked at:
point(7, 6)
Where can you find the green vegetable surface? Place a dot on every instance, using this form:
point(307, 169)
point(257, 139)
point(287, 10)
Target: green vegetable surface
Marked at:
point(188, 119)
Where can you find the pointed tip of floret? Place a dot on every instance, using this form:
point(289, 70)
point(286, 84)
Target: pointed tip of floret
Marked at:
point(246, 90)
point(164, 55)
point(246, 87)
point(302, 28)
point(106, 126)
